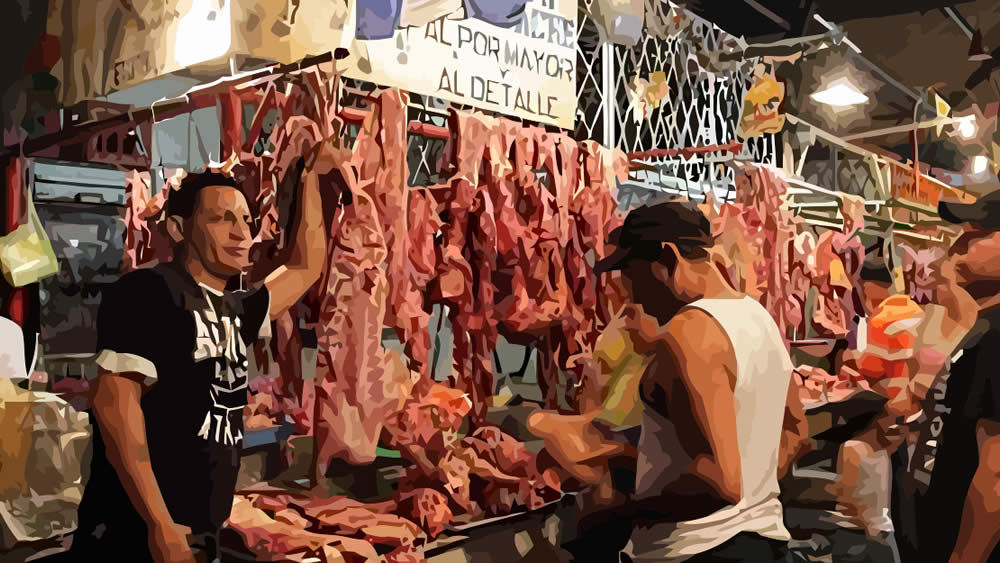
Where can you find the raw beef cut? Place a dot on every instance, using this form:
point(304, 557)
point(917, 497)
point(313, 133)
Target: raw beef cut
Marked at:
point(271, 540)
point(146, 241)
point(426, 507)
point(350, 407)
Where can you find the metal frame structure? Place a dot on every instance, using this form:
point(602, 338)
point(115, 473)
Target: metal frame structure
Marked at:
point(702, 109)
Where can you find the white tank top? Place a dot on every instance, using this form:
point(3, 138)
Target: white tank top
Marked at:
point(763, 373)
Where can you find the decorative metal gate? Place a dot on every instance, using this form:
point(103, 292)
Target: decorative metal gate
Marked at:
point(701, 109)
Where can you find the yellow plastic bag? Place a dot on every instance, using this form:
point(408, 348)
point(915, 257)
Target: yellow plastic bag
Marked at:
point(26, 255)
point(617, 358)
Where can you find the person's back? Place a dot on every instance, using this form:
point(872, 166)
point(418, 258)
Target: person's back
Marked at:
point(763, 371)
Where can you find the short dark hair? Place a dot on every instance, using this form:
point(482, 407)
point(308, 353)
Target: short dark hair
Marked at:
point(182, 201)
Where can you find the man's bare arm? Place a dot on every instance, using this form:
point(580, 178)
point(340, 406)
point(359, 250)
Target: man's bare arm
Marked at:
point(115, 402)
point(794, 431)
point(701, 351)
point(290, 281)
point(697, 352)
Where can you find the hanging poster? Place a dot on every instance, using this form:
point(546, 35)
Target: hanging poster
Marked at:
point(523, 64)
point(513, 57)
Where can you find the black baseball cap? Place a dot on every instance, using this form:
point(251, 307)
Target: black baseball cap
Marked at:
point(647, 227)
point(985, 211)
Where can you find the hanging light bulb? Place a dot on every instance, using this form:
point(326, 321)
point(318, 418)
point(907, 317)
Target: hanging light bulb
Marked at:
point(204, 33)
point(979, 164)
point(840, 94)
point(966, 127)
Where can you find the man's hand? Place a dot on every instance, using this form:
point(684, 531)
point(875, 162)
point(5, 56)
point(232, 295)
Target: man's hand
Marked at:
point(169, 544)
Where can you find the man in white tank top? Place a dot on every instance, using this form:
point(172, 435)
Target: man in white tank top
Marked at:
point(722, 420)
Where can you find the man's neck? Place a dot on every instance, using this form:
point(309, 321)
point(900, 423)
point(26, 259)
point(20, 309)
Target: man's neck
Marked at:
point(709, 279)
point(201, 275)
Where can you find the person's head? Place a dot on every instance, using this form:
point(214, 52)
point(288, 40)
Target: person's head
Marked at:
point(663, 252)
point(876, 285)
point(209, 220)
point(975, 256)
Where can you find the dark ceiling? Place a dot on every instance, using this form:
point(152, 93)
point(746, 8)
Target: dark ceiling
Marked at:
point(915, 41)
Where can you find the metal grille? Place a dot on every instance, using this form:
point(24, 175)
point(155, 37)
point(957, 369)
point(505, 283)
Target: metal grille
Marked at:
point(592, 108)
point(701, 109)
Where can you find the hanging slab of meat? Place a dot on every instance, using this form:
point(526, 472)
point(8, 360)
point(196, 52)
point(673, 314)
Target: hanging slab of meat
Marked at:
point(389, 192)
point(350, 406)
point(800, 278)
point(288, 342)
point(424, 223)
point(146, 243)
point(768, 230)
point(511, 226)
point(232, 123)
point(829, 317)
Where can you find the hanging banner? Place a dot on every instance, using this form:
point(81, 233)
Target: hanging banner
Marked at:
point(526, 69)
point(514, 57)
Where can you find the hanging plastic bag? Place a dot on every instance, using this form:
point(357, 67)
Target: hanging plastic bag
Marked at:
point(26, 255)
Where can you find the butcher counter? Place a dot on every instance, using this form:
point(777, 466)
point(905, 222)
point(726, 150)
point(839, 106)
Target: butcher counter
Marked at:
point(559, 529)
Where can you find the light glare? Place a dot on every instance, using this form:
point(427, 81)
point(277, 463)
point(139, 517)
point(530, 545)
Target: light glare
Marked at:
point(203, 33)
point(839, 95)
point(967, 127)
point(979, 164)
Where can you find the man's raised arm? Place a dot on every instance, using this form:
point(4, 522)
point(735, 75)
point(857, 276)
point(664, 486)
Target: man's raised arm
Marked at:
point(290, 281)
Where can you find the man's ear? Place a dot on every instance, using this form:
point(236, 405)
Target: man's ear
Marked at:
point(671, 256)
point(664, 268)
point(175, 228)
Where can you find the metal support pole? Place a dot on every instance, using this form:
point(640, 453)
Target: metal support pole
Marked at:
point(608, 93)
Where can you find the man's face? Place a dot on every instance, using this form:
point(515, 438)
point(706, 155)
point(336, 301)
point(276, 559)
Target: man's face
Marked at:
point(650, 285)
point(219, 231)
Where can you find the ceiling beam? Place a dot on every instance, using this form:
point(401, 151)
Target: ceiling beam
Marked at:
point(764, 11)
point(845, 10)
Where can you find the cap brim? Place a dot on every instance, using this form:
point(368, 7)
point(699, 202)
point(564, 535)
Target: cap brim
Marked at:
point(958, 213)
point(614, 261)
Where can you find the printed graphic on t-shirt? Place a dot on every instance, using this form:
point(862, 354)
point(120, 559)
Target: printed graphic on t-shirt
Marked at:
point(218, 341)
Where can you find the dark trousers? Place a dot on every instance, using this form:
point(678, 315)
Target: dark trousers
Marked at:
point(131, 547)
point(851, 546)
point(745, 546)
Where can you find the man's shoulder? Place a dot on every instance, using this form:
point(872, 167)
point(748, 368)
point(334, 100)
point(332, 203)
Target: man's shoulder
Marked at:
point(694, 331)
point(145, 286)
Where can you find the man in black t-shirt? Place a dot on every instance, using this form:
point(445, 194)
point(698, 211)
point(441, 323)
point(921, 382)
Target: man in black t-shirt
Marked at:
point(957, 516)
point(168, 400)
